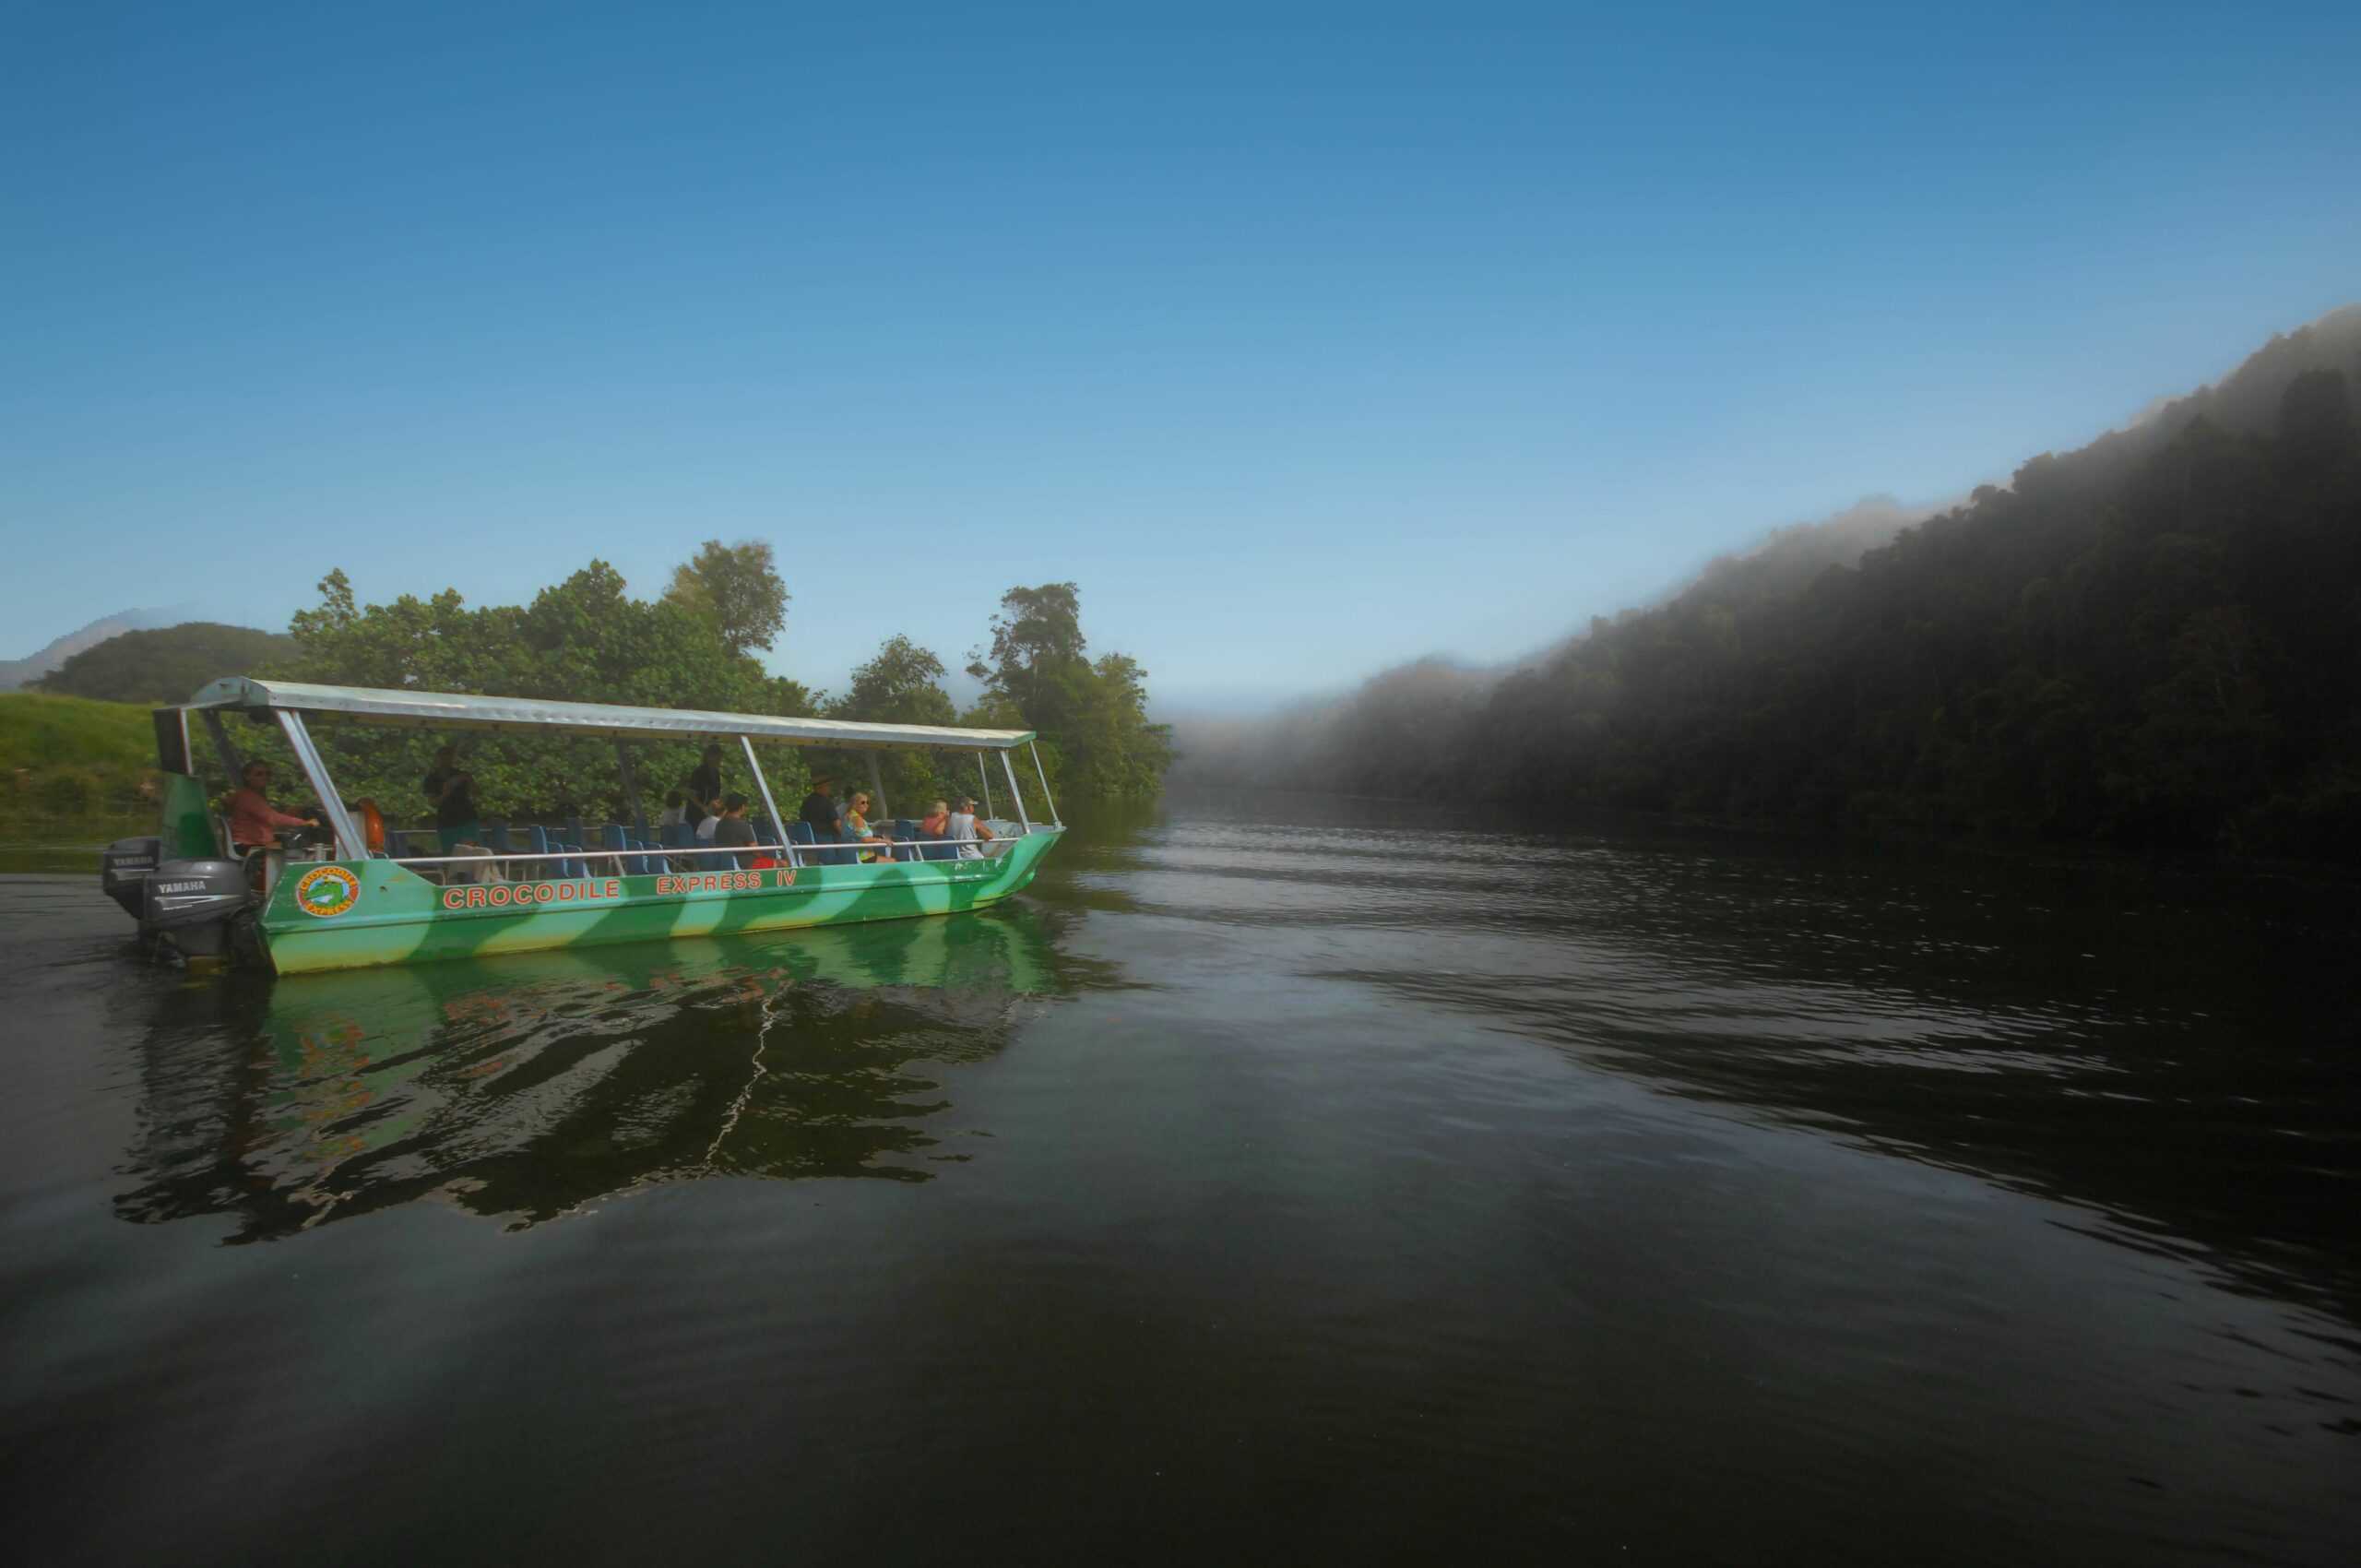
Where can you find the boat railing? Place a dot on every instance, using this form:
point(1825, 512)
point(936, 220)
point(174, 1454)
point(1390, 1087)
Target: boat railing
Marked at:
point(789, 855)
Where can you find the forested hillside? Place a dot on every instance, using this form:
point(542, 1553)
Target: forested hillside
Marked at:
point(163, 666)
point(17, 673)
point(2155, 640)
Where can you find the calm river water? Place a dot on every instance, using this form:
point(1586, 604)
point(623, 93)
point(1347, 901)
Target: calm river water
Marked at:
point(1278, 1176)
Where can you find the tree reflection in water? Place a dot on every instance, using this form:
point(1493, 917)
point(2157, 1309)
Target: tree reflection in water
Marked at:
point(528, 1088)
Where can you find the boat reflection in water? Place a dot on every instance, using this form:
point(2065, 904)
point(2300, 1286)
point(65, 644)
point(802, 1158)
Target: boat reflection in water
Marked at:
point(525, 1089)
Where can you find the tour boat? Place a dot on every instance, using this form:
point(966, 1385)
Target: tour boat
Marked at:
point(349, 904)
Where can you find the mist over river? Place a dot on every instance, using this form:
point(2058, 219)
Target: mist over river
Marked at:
point(1345, 1180)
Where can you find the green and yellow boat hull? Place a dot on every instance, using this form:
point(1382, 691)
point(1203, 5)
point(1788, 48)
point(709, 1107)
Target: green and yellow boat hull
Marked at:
point(355, 914)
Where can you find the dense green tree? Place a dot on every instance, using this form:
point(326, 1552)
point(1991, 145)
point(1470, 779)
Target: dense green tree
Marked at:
point(902, 684)
point(736, 590)
point(163, 666)
point(1037, 647)
point(1096, 738)
point(584, 640)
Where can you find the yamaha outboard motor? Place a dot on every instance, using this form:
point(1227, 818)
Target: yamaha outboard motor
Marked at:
point(191, 904)
point(122, 869)
point(177, 885)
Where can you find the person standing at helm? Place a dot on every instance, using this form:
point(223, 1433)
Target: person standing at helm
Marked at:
point(701, 790)
point(452, 792)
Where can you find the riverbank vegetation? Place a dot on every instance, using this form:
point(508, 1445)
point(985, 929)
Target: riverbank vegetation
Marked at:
point(2154, 640)
point(69, 758)
point(587, 639)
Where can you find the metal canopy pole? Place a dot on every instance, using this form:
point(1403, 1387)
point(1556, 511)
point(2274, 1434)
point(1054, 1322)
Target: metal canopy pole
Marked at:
point(1014, 793)
point(349, 843)
point(986, 780)
point(1039, 772)
point(778, 823)
point(220, 735)
point(877, 786)
point(631, 785)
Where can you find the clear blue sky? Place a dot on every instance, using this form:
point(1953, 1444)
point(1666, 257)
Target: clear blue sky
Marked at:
point(1305, 339)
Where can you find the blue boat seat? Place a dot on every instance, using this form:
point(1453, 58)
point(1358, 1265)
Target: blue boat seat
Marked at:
point(614, 836)
point(800, 833)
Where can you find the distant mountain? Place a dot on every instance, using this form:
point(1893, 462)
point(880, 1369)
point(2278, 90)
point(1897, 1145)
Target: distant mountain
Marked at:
point(15, 672)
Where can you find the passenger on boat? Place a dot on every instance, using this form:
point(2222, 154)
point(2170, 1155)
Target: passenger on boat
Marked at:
point(701, 790)
point(675, 810)
point(451, 789)
point(822, 811)
point(253, 821)
point(963, 829)
point(932, 825)
point(857, 828)
point(734, 831)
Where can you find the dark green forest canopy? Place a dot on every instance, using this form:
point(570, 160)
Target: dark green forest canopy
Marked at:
point(163, 666)
point(1092, 714)
point(586, 639)
point(2156, 639)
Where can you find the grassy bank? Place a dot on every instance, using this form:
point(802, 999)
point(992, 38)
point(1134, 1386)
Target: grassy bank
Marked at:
point(72, 757)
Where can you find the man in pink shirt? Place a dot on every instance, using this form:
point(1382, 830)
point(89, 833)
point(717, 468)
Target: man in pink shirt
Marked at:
point(254, 823)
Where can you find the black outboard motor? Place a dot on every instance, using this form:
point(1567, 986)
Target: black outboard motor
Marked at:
point(122, 869)
point(191, 904)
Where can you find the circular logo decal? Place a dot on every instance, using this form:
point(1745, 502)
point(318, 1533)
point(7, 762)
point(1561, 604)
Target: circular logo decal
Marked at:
point(327, 890)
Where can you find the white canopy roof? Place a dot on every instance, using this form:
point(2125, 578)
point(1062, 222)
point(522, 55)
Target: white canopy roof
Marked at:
point(444, 710)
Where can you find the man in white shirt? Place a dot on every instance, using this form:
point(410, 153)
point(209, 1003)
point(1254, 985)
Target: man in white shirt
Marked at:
point(963, 829)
